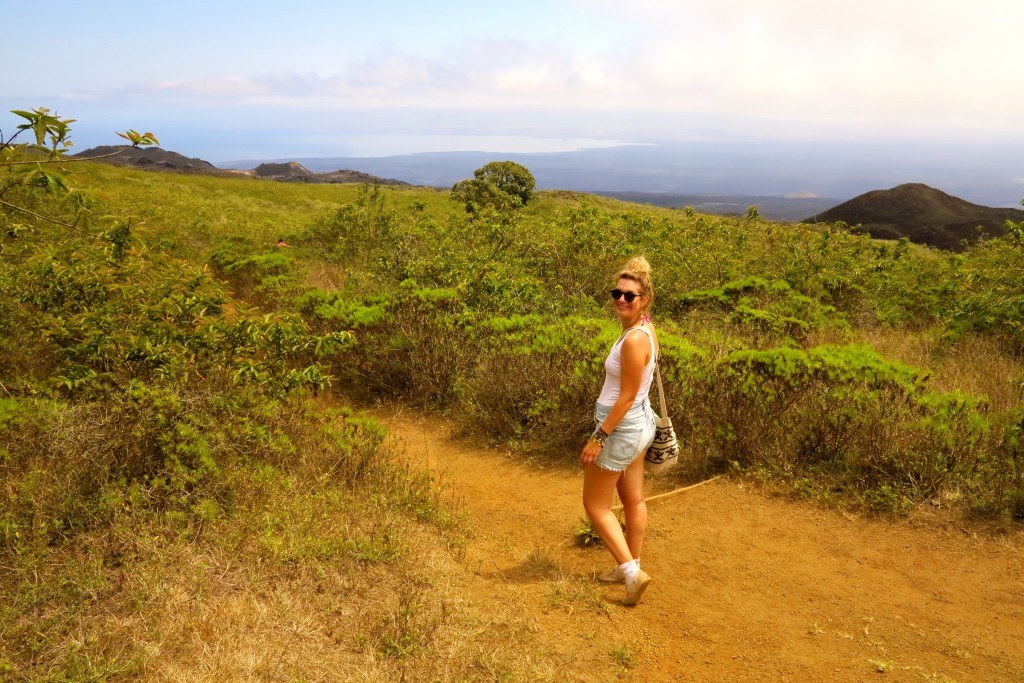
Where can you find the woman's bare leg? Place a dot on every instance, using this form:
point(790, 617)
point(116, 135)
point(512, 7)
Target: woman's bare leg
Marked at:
point(631, 493)
point(598, 485)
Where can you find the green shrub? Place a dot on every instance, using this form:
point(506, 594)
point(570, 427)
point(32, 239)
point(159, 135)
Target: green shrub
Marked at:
point(534, 380)
point(500, 185)
point(986, 294)
point(844, 413)
point(371, 235)
point(411, 343)
point(265, 277)
point(771, 312)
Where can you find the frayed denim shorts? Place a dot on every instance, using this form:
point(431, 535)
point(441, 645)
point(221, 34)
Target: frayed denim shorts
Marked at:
point(629, 440)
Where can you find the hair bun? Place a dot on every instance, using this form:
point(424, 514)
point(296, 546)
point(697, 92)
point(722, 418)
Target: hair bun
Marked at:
point(638, 265)
point(639, 270)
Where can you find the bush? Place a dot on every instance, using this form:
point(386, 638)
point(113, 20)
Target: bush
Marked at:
point(499, 185)
point(410, 344)
point(771, 312)
point(535, 380)
point(267, 277)
point(986, 295)
point(843, 413)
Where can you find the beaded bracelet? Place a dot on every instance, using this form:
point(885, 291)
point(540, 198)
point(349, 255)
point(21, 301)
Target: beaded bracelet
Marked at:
point(599, 436)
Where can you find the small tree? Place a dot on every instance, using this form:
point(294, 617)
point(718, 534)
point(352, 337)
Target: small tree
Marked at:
point(509, 177)
point(476, 195)
point(501, 185)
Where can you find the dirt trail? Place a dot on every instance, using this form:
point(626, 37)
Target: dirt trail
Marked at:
point(745, 587)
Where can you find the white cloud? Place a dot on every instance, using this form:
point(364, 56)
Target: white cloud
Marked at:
point(228, 87)
point(480, 73)
point(909, 62)
point(786, 68)
point(527, 80)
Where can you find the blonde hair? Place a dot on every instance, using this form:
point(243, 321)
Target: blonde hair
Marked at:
point(638, 270)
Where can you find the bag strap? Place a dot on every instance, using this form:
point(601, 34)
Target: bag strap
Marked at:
point(661, 390)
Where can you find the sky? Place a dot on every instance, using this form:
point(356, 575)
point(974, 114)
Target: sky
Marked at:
point(226, 79)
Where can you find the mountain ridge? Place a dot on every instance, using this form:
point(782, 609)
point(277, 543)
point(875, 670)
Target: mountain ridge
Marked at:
point(148, 157)
point(922, 214)
point(156, 158)
point(764, 168)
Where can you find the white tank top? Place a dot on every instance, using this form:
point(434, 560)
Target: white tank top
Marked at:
point(613, 371)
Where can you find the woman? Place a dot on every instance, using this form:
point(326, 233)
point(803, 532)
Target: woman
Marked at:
point(613, 456)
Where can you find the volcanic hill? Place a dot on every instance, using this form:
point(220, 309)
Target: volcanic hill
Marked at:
point(922, 214)
point(148, 157)
point(160, 159)
point(294, 171)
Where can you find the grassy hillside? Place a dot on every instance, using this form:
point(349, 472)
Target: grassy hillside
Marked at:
point(177, 429)
point(817, 341)
point(185, 215)
point(182, 494)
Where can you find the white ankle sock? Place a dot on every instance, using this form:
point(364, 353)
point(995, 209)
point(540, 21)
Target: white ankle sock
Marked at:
point(630, 569)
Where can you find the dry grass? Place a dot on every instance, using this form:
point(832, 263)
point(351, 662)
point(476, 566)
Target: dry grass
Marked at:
point(225, 621)
point(325, 276)
point(976, 365)
point(275, 593)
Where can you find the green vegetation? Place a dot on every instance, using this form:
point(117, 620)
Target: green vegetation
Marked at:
point(623, 656)
point(499, 185)
point(175, 390)
point(163, 441)
point(769, 335)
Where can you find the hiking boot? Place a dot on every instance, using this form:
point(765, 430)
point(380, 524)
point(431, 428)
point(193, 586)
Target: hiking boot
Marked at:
point(613, 575)
point(636, 588)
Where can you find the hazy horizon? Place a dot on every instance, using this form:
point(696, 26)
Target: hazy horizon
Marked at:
point(679, 70)
point(908, 81)
point(980, 174)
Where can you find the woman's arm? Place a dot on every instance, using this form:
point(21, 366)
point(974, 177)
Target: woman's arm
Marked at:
point(634, 356)
point(635, 349)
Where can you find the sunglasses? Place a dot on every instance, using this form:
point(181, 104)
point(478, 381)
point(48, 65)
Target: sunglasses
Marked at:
point(618, 294)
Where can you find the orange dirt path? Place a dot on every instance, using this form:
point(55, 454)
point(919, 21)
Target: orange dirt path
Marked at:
point(745, 587)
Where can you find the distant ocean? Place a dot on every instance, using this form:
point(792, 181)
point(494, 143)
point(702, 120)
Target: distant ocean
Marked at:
point(369, 146)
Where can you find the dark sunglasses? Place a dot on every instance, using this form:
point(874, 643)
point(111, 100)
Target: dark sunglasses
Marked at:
point(618, 294)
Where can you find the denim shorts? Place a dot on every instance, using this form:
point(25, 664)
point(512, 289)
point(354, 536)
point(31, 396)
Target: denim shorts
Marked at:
point(629, 440)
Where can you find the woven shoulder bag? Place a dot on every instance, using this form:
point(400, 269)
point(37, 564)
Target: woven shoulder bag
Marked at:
point(664, 452)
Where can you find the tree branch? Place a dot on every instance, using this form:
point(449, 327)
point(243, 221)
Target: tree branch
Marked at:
point(39, 215)
point(4, 144)
point(672, 493)
point(63, 160)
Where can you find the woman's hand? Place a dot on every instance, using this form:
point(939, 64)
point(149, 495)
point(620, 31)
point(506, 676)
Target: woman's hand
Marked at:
point(590, 453)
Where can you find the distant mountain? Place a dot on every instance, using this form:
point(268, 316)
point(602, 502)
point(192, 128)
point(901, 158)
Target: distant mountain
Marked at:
point(289, 170)
point(156, 158)
point(922, 214)
point(296, 172)
point(987, 174)
point(148, 157)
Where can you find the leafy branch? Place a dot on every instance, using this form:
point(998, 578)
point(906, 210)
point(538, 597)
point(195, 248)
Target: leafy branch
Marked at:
point(51, 138)
point(40, 216)
point(51, 135)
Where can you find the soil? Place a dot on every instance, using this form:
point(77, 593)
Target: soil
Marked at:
point(745, 586)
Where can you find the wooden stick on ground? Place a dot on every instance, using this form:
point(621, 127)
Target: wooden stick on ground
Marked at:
point(672, 493)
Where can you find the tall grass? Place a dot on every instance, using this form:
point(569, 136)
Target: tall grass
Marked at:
point(178, 498)
point(497, 316)
point(174, 454)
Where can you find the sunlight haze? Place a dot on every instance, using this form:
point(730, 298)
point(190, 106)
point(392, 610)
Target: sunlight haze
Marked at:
point(652, 70)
